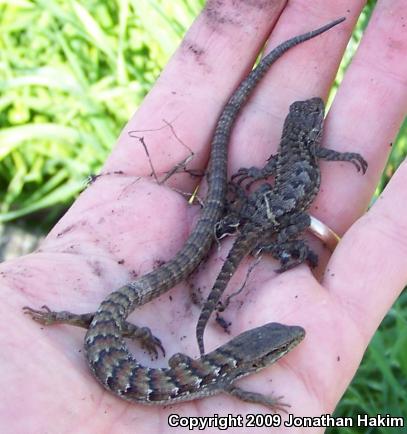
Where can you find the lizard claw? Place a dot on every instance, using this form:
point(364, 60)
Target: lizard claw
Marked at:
point(358, 161)
point(276, 404)
point(252, 173)
point(150, 343)
point(45, 316)
point(240, 176)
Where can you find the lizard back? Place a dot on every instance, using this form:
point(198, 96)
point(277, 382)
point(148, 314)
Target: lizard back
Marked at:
point(277, 213)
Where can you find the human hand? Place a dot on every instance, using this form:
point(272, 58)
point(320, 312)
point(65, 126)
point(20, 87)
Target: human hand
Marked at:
point(124, 223)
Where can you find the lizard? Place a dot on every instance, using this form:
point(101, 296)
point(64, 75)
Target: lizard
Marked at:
point(276, 214)
point(105, 348)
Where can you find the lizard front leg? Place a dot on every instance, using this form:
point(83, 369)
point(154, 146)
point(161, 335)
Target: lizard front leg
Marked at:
point(352, 157)
point(256, 174)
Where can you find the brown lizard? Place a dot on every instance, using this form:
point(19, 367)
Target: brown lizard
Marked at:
point(274, 216)
point(106, 351)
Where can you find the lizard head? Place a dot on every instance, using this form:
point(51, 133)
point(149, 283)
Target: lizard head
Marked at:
point(306, 116)
point(259, 347)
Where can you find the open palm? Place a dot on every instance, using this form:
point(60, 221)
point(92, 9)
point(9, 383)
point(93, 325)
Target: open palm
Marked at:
point(125, 224)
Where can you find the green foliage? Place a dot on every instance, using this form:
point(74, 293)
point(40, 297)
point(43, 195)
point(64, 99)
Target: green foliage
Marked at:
point(397, 155)
point(381, 381)
point(71, 74)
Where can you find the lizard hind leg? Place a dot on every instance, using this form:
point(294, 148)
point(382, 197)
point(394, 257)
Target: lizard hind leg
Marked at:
point(143, 335)
point(291, 253)
point(46, 316)
point(275, 404)
point(286, 247)
point(236, 199)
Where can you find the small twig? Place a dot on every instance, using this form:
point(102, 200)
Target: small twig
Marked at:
point(191, 196)
point(92, 178)
point(269, 212)
point(127, 187)
point(194, 196)
point(249, 271)
point(181, 166)
point(143, 144)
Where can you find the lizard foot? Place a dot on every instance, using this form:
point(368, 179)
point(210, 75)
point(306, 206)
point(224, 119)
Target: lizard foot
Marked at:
point(225, 325)
point(47, 317)
point(293, 253)
point(287, 263)
point(275, 404)
point(143, 335)
point(252, 173)
point(147, 340)
point(358, 161)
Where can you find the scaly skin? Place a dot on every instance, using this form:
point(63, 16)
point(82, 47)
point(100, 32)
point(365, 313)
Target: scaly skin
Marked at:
point(106, 351)
point(187, 379)
point(279, 211)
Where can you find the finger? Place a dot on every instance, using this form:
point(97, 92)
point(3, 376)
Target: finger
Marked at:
point(303, 72)
point(365, 116)
point(368, 269)
point(217, 51)
point(215, 54)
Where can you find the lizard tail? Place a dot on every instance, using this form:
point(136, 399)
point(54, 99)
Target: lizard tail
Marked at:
point(245, 243)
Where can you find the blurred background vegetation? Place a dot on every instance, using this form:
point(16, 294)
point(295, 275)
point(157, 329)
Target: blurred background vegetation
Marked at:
point(71, 74)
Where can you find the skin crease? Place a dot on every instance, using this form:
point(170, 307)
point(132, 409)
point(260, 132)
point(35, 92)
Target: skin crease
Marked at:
point(128, 217)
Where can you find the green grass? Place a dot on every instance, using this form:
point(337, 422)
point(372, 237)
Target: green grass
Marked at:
point(71, 74)
point(381, 382)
